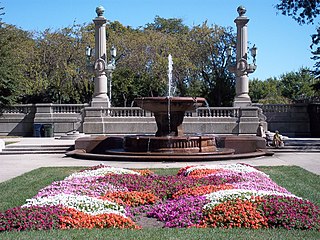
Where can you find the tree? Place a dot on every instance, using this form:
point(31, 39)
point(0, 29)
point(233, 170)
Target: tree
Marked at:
point(143, 61)
point(267, 92)
point(137, 64)
point(53, 66)
point(316, 87)
point(289, 88)
point(1, 14)
point(199, 58)
point(171, 25)
point(305, 12)
point(209, 56)
point(14, 47)
point(297, 86)
point(58, 73)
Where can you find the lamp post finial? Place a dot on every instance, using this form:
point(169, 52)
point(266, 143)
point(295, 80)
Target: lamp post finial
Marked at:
point(100, 11)
point(241, 10)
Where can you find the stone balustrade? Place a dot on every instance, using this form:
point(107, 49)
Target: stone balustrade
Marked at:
point(19, 108)
point(206, 120)
point(19, 120)
point(68, 108)
point(291, 120)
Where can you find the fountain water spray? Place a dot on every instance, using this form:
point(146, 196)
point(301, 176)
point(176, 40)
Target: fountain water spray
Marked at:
point(170, 68)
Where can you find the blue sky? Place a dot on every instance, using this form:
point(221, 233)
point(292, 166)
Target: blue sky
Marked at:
point(283, 45)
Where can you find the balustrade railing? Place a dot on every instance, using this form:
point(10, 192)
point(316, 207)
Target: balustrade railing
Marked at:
point(68, 108)
point(220, 112)
point(280, 108)
point(19, 108)
point(126, 112)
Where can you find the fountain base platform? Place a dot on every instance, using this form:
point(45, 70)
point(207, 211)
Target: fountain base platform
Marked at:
point(113, 148)
point(168, 144)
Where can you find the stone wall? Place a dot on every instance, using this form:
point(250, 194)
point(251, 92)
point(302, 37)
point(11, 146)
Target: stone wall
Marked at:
point(123, 121)
point(291, 120)
point(19, 120)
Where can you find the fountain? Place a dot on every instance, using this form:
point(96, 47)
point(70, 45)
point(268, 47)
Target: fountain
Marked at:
point(169, 138)
point(169, 142)
point(169, 113)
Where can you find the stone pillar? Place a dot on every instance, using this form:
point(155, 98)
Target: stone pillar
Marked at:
point(100, 96)
point(242, 68)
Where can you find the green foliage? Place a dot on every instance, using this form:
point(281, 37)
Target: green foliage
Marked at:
point(199, 66)
point(316, 52)
point(303, 11)
point(59, 74)
point(171, 25)
point(209, 57)
point(316, 87)
point(267, 92)
point(291, 87)
point(297, 86)
point(13, 50)
point(53, 65)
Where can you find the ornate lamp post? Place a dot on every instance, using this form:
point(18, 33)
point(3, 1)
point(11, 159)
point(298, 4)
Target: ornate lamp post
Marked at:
point(241, 67)
point(102, 69)
point(110, 68)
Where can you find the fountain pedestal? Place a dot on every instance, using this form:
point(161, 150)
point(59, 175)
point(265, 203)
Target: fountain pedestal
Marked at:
point(169, 138)
point(169, 112)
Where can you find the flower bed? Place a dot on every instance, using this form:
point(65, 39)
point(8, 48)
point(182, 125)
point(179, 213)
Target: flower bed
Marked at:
point(224, 196)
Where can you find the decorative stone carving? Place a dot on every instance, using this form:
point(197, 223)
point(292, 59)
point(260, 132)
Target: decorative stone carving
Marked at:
point(242, 65)
point(100, 65)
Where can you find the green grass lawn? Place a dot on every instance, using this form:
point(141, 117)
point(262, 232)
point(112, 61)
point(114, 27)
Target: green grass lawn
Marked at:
point(15, 191)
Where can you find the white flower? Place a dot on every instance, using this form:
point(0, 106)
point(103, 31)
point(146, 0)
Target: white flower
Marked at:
point(101, 172)
point(86, 204)
point(232, 167)
point(233, 194)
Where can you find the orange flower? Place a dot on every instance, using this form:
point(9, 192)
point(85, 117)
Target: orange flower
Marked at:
point(198, 173)
point(144, 172)
point(202, 190)
point(78, 220)
point(132, 199)
point(236, 213)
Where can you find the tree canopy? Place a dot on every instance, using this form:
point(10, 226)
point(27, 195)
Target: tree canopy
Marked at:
point(291, 87)
point(305, 12)
point(50, 66)
point(14, 47)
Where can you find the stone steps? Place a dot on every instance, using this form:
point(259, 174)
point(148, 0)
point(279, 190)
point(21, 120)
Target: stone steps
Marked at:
point(36, 149)
point(298, 146)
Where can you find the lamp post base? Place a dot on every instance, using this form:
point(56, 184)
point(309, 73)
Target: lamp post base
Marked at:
point(100, 102)
point(242, 102)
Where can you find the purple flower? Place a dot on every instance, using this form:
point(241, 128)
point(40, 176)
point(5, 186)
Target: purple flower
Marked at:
point(182, 212)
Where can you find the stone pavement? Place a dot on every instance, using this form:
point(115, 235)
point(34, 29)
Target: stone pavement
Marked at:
point(15, 165)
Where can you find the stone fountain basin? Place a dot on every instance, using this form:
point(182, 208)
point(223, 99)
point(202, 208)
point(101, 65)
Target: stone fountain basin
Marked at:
point(110, 148)
point(176, 104)
point(168, 144)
